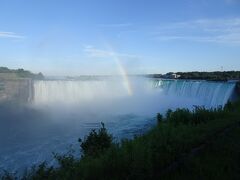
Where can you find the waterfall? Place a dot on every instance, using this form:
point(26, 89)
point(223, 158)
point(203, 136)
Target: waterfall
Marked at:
point(76, 91)
point(209, 94)
point(212, 94)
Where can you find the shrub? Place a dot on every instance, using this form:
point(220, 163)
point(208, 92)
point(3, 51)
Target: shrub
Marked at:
point(159, 118)
point(41, 171)
point(229, 106)
point(96, 142)
point(180, 116)
point(168, 113)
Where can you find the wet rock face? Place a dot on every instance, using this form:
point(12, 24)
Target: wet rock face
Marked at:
point(17, 90)
point(2, 91)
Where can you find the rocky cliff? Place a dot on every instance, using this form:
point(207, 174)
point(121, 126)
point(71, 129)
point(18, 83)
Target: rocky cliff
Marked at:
point(16, 90)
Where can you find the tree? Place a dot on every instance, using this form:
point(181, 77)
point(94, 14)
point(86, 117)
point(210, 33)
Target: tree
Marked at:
point(96, 142)
point(159, 118)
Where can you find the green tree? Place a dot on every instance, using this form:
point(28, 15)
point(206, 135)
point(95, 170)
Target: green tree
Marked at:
point(96, 142)
point(159, 118)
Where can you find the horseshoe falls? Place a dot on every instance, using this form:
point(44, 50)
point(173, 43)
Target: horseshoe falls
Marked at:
point(61, 111)
point(206, 93)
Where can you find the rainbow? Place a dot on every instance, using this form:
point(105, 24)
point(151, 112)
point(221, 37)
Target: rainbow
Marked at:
point(124, 74)
point(122, 70)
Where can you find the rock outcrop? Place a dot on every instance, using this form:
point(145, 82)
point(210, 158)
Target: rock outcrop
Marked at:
point(16, 90)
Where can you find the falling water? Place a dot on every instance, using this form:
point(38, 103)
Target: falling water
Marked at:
point(211, 94)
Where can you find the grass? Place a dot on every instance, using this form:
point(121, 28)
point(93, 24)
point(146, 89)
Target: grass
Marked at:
point(148, 156)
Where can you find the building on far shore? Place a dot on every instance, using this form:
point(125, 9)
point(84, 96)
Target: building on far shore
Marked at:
point(171, 76)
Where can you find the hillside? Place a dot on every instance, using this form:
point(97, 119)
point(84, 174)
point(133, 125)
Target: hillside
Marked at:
point(6, 73)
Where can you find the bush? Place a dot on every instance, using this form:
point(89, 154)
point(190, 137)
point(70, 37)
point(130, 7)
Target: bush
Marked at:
point(229, 106)
point(159, 118)
point(180, 116)
point(96, 142)
point(168, 113)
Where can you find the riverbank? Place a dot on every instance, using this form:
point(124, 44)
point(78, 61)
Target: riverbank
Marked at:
point(154, 154)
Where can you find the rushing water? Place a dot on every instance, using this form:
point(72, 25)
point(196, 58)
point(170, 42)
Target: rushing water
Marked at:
point(209, 94)
point(61, 111)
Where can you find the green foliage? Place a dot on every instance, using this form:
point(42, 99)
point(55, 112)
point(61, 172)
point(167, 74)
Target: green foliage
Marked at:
point(198, 115)
point(232, 106)
point(39, 172)
point(180, 116)
point(96, 142)
point(168, 113)
point(219, 160)
point(214, 76)
point(159, 118)
point(22, 73)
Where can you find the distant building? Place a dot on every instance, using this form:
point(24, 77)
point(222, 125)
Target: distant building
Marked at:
point(171, 76)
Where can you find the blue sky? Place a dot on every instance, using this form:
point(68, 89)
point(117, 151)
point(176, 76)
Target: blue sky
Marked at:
point(74, 37)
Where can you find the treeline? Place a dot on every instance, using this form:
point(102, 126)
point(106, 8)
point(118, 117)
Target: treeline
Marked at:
point(195, 75)
point(213, 76)
point(21, 73)
point(147, 156)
